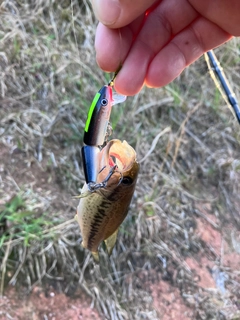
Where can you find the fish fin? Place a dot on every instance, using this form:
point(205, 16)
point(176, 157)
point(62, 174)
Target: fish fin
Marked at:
point(95, 256)
point(110, 242)
point(85, 192)
point(83, 195)
point(76, 217)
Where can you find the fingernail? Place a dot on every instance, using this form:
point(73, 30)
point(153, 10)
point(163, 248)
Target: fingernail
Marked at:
point(107, 11)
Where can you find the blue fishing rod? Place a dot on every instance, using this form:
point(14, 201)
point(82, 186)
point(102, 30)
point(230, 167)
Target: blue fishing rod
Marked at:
point(222, 83)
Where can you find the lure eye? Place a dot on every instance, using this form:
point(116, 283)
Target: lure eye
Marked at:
point(104, 102)
point(127, 181)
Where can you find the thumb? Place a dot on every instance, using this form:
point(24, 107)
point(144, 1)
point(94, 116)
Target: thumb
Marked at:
point(119, 13)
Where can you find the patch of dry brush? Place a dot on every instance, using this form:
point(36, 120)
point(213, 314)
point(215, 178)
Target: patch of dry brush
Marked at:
point(188, 144)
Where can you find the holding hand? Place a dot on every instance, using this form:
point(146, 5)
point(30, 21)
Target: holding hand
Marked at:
point(156, 40)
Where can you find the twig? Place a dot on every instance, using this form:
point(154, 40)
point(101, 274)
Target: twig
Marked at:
point(182, 131)
point(216, 226)
point(3, 266)
point(154, 143)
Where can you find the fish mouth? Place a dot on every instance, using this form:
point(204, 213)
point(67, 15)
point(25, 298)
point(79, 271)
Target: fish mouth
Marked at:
point(116, 153)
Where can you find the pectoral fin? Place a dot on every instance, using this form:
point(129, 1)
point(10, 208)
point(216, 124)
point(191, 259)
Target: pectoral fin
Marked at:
point(95, 256)
point(110, 242)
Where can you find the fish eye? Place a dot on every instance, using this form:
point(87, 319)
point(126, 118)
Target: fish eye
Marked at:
point(127, 181)
point(104, 102)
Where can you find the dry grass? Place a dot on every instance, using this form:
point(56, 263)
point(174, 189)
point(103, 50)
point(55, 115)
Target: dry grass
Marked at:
point(187, 139)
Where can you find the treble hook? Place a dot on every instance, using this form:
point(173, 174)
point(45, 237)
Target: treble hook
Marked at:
point(95, 186)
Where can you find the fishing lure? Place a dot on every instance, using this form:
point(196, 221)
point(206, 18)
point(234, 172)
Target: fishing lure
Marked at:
point(95, 130)
point(101, 212)
point(221, 82)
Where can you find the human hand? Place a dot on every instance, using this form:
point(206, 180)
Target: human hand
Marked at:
point(155, 48)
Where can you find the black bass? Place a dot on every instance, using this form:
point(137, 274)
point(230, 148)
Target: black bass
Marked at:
point(101, 212)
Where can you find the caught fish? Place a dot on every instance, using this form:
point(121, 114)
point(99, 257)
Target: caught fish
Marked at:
point(100, 213)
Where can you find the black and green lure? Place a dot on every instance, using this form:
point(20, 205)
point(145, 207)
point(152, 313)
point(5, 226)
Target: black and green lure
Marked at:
point(96, 129)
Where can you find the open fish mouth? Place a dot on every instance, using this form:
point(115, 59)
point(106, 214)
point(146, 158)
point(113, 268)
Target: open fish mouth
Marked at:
point(116, 154)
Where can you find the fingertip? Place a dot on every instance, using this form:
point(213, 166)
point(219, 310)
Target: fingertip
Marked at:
point(126, 87)
point(131, 77)
point(106, 46)
point(106, 65)
point(107, 11)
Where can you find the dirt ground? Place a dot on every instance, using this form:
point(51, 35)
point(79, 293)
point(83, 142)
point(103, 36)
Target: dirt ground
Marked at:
point(209, 268)
point(48, 304)
point(45, 305)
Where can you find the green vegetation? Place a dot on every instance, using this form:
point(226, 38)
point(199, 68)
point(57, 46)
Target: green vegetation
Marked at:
point(19, 222)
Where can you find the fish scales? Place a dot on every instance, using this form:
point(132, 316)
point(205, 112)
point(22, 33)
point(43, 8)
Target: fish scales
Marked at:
point(101, 213)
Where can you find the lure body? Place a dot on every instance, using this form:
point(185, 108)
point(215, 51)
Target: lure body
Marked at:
point(101, 212)
point(95, 131)
point(98, 117)
point(96, 128)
